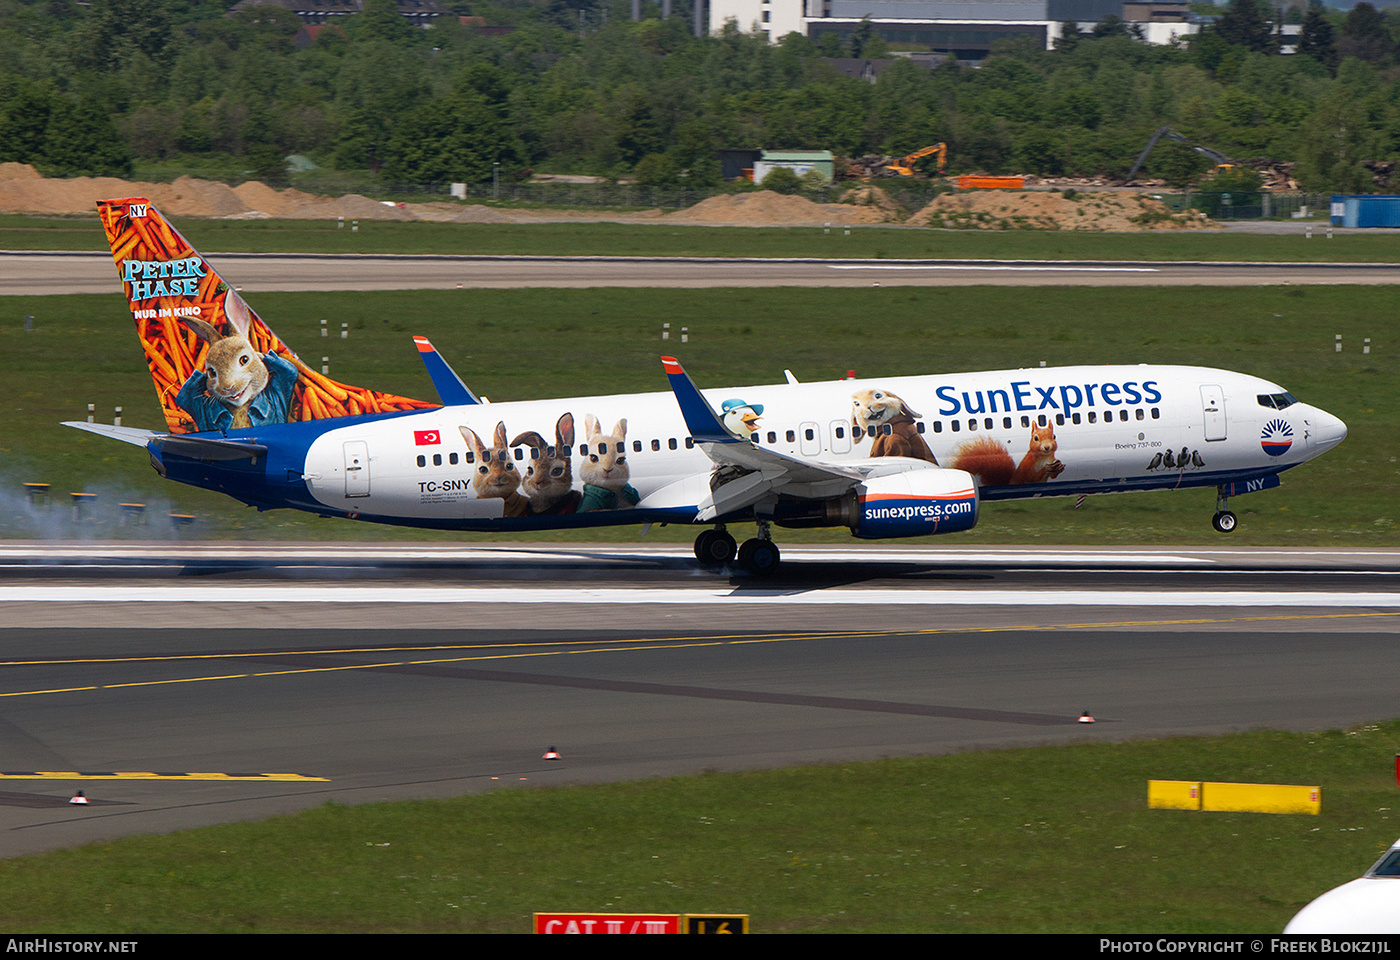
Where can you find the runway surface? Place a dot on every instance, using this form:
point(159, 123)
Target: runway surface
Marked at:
point(30, 273)
point(322, 672)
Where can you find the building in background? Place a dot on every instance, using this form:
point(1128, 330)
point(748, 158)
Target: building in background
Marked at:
point(965, 29)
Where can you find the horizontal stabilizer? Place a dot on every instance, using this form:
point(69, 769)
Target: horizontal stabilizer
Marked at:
point(451, 390)
point(209, 448)
point(125, 434)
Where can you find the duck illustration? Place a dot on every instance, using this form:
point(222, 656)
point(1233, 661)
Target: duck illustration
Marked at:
point(741, 418)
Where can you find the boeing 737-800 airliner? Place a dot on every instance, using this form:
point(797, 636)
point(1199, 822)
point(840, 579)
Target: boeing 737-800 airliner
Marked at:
point(886, 457)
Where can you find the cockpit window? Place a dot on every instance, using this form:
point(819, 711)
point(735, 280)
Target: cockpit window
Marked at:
point(1389, 866)
point(1277, 401)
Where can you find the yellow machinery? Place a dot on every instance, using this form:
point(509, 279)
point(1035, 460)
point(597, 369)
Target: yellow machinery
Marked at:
point(904, 166)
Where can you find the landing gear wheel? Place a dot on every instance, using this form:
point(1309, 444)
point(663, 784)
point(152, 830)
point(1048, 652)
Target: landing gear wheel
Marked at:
point(759, 557)
point(714, 548)
point(1225, 521)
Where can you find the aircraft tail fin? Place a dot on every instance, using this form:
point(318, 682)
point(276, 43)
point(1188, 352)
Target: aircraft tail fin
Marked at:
point(216, 364)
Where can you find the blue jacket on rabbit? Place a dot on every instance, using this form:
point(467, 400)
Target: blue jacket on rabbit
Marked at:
point(273, 405)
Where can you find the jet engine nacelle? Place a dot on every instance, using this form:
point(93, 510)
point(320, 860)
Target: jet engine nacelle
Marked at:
point(914, 504)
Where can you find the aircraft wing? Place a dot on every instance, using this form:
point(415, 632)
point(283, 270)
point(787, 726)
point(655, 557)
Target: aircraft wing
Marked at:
point(759, 472)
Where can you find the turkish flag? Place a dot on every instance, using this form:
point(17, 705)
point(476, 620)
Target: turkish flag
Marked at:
point(423, 438)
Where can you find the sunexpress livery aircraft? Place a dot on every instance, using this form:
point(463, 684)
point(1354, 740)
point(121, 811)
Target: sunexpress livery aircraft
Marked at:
point(889, 457)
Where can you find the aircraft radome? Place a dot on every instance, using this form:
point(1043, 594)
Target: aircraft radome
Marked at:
point(886, 457)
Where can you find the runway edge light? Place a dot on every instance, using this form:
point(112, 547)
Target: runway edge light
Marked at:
point(551, 754)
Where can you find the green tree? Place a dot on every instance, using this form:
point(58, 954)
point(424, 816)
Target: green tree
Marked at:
point(1245, 23)
point(782, 180)
point(1366, 36)
point(82, 141)
point(1318, 40)
point(456, 139)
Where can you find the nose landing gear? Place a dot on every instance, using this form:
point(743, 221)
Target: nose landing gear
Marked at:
point(1224, 521)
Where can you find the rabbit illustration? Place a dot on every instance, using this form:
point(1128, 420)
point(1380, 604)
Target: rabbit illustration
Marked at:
point(237, 387)
point(604, 468)
point(496, 476)
point(549, 479)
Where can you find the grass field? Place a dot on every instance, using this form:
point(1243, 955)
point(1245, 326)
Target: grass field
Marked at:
point(1055, 839)
point(520, 344)
point(661, 239)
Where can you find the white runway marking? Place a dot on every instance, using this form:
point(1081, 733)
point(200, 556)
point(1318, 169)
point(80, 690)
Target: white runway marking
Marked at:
point(1021, 268)
point(275, 593)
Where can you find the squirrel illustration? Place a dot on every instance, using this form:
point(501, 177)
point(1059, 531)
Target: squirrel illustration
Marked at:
point(991, 463)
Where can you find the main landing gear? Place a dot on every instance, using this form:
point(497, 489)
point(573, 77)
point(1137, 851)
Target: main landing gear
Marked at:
point(1224, 521)
point(759, 556)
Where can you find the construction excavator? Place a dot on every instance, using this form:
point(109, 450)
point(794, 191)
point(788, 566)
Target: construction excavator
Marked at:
point(1222, 162)
point(904, 166)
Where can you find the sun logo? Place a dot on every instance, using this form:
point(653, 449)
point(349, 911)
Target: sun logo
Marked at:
point(1276, 438)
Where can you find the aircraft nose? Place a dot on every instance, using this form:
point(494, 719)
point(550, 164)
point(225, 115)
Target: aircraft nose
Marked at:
point(1328, 431)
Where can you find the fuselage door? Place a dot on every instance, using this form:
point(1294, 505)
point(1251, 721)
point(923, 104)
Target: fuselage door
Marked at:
point(1213, 408)
point(356, 468)
point(809, 438)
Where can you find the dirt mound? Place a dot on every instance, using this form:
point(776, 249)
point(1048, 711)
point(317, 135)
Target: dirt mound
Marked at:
point(875, 198)
point(357, 207)
point(281, 204)
point(1007, 210)
point(25, 192)
point(188, 197)
point(19, 171)
point(766, 208)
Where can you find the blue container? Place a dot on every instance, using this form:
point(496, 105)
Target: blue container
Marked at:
point(1365, 210)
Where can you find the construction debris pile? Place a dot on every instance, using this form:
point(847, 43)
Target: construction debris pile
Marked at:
point(24, 190)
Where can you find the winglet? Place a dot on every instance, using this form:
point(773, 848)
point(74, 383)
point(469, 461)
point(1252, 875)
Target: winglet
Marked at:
point(700, 418)
point(451, 390)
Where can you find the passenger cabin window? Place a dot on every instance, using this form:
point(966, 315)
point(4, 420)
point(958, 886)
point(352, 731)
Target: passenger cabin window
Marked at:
point(671, 443)
point(636, 446)
point(791, 437)
point(656, 445)
point(938, 426)
point(437, 459)
point(689, 442)
point(422, 460)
